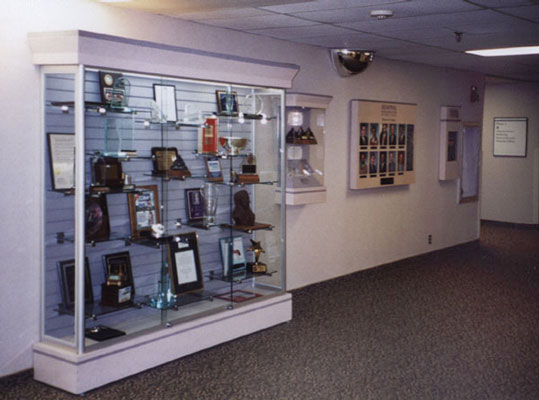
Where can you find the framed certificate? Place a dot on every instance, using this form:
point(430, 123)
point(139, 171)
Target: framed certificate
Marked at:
point(62, 160)
point(165, 97)
point(184, 263)
point(227, 102)
point(143, 211)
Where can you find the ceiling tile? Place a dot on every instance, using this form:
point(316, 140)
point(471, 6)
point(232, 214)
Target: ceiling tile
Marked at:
point(427, 21)
point(221, 14)
point(503, 3)
point(531, 13)
point(265, 21)
point(320, 5)
point(302, 31)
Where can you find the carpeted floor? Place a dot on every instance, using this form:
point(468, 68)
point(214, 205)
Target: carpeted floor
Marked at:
point(461, 323)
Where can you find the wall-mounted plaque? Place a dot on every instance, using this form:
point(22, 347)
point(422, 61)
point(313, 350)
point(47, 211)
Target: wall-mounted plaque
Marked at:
point(214, 172)
point(387, 127)
point(107, 172)
point(510, 137)
point(62, 160)
point(143, 211)
point(113, 87)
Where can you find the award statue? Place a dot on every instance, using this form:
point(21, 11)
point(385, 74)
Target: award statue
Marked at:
point(242, 214)
point(257, 267)
point(209, 193)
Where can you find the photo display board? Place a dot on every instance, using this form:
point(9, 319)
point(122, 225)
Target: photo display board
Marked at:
point(381, 144)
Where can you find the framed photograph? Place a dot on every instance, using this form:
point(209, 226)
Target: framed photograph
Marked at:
point(165, 97)
point(213, 169)
point(227, 102)
point(66, 270)
point(62, 160)
point(194, 205)
point(184, 263)
point(238, 259)
point(97, 226)
point(510, 137)
point(143, 211)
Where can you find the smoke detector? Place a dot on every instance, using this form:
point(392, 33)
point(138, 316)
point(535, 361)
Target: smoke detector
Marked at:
point(381, 14)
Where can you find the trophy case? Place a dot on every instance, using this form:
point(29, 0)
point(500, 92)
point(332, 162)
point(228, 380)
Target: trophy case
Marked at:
point(305, 138)
point(159, 216)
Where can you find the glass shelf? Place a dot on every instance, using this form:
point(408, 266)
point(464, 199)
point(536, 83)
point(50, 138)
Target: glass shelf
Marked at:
point(249, 228)
point(100, 108)
point(122, 156)
point(238, 277)
point(95, 310)
point(173, 302)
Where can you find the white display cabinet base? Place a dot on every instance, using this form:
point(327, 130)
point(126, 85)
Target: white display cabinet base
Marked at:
point(79, 373)
point(296, 197)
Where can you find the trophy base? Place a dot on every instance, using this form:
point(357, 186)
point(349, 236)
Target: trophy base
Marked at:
point(257, 268)
point(116, 296)
point(247, 178)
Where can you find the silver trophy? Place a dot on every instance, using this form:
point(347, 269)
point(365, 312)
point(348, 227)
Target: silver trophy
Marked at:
point(209, 191)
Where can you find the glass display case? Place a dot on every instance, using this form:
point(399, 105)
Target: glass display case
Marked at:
point(305, 147)
point(158, 203)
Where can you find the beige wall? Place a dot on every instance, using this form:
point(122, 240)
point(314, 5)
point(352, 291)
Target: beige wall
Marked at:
point(510, 185)
point(350, 232)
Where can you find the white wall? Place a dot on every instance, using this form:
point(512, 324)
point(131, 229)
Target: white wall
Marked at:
point(352, 231)
point(510, 185)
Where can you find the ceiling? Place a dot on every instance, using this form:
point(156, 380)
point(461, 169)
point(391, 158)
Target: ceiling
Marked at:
point(421, 31)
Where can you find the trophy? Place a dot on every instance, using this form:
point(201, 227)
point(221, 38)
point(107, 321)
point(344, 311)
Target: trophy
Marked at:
point(248, 171)
point(257, 267)
point(209, 193)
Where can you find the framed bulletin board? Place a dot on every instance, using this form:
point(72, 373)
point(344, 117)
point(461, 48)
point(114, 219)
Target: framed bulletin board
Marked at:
point(510, 137)
point(382, 138)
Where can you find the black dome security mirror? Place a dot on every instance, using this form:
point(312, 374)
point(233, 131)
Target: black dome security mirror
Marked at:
point(350, 62)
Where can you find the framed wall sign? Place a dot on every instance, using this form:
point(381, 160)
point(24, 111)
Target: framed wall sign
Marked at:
point(165, 97)
point(143, 211)
point(184, 263)
point(62, 160)
point(66, 270)
point(382, 138)
point(239, 261)
point(510, 137)
point(97, 226)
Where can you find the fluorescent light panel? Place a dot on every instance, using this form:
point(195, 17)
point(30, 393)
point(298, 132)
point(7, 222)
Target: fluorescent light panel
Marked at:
point(506, 51)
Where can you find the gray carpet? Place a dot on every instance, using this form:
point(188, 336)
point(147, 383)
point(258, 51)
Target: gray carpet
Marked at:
point(461, 323)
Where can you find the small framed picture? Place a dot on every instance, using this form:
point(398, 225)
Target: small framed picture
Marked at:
point(194, 205)
point(62, 160)
point(97, 227)
point(238, 259)
point(227, 102)
point(113, 89)
point(165, 97)
point(66, 270)
point(143, 211)
point(184, 263)
point(213, 169)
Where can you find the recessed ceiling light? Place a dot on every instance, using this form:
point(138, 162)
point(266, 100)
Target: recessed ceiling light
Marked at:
point(381, 14)
point(506, 51)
